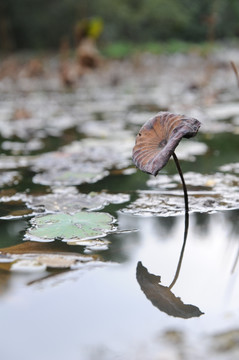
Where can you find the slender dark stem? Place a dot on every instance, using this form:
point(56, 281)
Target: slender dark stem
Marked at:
point(183, 182)
point(186, 221)
point(235, 262)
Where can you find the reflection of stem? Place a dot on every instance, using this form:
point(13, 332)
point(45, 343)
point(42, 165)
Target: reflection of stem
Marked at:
point(235, 262)
point(186, 221)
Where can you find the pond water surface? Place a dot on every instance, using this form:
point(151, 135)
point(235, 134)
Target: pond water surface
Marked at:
point(69, 150)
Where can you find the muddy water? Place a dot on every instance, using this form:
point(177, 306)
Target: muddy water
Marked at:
point(116, 301)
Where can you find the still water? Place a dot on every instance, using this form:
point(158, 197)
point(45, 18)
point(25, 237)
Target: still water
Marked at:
point(100, 312)
point(71, 150)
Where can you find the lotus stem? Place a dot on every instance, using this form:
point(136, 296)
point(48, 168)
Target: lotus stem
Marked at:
point(186, 223)
point(183, 182)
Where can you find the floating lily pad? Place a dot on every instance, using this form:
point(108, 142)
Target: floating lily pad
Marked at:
point(60, 168)
point(14, 210)
point(209, 193)
point(219, 182)
point(92, 244)
point(70, 201)
point(158, 204)
point(69, 177)
point(70, 228)
point(234, 167)
point(39, 123)
point(86, 161)
point(9, 178)
point(103, 151)
point(17, 148)
point(188, 150)
point(14, 205)
point(104, 129)
point(15, 162)
point(30, 256)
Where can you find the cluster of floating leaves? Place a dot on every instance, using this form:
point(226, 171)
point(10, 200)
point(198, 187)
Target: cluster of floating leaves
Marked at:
point(207, 193)
point(32, 109)
point(86, 161)
point(81, 228)
point(69, 200)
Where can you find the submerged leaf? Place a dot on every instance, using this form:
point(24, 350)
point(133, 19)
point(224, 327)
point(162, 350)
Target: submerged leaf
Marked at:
point(70, 228)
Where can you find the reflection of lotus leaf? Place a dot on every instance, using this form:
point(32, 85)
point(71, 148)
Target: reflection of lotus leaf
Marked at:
point(66, 227)
point(162, 297)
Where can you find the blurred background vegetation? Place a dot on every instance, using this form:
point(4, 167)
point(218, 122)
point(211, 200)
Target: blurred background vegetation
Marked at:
point(45, 24)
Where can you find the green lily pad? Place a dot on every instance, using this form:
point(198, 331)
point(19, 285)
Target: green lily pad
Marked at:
point(70, 228)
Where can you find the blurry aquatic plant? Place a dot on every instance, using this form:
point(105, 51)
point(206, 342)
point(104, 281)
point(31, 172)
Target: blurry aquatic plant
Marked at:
point(235, 71)
point(237, 77)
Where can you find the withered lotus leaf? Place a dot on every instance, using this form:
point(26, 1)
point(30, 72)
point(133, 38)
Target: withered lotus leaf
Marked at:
point(158, 138)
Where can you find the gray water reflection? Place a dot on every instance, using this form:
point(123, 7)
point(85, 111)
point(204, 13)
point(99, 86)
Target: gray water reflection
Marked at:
point(102, 307)
point(161, 296)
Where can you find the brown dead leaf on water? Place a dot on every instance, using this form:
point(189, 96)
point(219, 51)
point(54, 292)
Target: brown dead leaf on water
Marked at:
point(45, 256)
